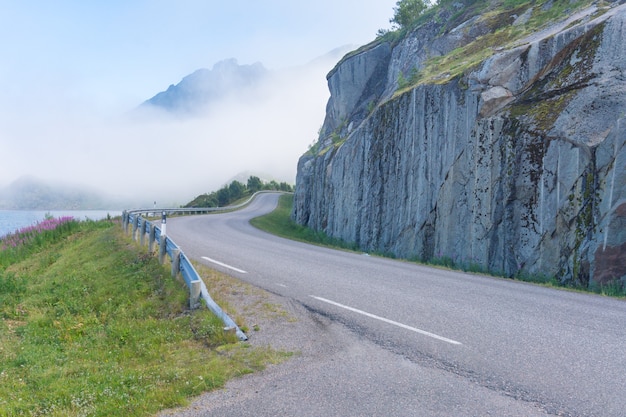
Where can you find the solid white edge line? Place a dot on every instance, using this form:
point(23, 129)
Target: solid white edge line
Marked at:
point(395, 323)
point(224, 265)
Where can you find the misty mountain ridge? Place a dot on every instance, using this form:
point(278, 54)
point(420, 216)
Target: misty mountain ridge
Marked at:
point(30, 193)
point(204, 86)
point(232, 101)
point(197, 92)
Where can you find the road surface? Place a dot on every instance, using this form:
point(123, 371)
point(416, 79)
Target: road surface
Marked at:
point(393, 338)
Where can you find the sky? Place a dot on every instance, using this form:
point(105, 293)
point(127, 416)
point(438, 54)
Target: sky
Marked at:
point(71, 72)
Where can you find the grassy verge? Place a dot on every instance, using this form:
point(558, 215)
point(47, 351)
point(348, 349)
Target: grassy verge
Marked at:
point(92, 325)
point(279, 223)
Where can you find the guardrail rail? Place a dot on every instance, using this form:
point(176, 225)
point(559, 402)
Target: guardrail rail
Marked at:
point(142, 228)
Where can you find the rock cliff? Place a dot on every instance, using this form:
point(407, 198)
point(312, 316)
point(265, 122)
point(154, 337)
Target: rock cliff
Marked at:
point(509, 156)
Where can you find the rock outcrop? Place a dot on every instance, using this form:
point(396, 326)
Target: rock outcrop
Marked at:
point(516, 166)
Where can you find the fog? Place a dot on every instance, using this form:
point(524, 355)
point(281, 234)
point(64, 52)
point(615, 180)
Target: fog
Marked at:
point(73, 73)
point(152, 155)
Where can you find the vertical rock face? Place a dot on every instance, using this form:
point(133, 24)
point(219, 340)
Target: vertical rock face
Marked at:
point(518, 166)
point(359, 82)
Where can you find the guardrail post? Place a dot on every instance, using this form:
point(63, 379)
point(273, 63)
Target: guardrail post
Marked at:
point(195, 291)
point(175, 262)
point(135, 226)
point(125, 221)
point(162, 248)
point(142, 231)
point(151, 237)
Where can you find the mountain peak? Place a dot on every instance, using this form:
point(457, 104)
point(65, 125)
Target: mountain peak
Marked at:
point(203, 87)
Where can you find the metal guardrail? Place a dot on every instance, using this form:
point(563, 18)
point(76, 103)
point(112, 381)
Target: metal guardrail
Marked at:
point(141, 227)
point(195, 210)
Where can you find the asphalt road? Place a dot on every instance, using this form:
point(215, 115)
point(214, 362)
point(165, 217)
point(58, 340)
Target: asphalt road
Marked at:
point(393, 338)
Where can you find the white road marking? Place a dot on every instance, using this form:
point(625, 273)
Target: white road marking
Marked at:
point(224, 265)
point(395, 323)
point(281, 285)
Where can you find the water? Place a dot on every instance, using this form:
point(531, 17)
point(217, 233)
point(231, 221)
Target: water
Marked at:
point(12, 220)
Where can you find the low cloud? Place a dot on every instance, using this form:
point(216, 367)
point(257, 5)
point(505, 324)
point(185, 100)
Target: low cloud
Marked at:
point(156, 156)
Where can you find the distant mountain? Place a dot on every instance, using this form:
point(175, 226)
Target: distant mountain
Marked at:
point(227, 79)
point(29, 193)
point(205, 86)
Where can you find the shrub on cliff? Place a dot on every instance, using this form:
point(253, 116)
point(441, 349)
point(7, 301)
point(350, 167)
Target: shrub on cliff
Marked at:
point(407, 11)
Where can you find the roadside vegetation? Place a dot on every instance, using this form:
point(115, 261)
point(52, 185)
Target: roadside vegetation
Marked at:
point(279, 222)
point(92, 325)
point(496, 15)
point(235, 191)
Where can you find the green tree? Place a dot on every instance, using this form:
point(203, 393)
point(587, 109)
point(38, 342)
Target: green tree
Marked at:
point(407, 11)
point(236, 190)
point(223, 196)
point(283, 186)
point(272, 185)
point(254, 184)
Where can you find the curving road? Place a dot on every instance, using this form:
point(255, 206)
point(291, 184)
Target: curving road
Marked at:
point(405, 339)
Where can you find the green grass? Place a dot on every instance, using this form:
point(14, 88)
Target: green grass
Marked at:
point(497, 16)
point(92, 325)
point(279, 222)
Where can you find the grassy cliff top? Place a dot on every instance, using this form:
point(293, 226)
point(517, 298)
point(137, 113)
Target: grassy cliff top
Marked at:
point(504, 24)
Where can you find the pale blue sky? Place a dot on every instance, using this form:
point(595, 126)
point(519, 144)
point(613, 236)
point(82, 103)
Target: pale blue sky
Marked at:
point(125, 51)
point(70, 68)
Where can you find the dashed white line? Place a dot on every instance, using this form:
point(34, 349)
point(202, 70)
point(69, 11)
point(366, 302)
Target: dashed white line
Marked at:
point(395, 323)
point(224, 265)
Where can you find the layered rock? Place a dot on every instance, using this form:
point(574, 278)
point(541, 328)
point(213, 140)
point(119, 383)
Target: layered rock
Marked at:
point(516, 167)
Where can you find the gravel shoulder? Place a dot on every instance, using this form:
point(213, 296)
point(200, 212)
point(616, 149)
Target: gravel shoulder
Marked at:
point(273, 322)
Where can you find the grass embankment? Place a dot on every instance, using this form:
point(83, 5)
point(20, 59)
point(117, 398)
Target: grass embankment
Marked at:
point(92, 325)
point(279, 222)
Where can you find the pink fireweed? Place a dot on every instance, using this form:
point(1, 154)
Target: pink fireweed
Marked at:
point(26, 235)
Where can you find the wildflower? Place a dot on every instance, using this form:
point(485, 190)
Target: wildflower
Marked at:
point(27, 234)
